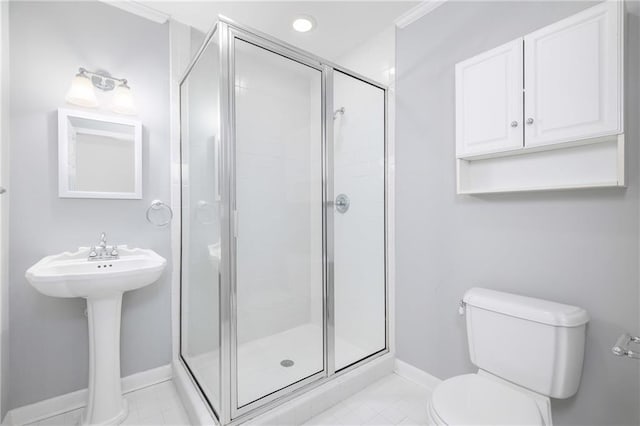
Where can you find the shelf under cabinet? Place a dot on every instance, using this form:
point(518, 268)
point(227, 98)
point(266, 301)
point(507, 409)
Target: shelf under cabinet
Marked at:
point(585, 164)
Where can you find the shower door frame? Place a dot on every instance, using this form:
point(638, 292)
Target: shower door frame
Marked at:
point(229, 411)
point(235, 33)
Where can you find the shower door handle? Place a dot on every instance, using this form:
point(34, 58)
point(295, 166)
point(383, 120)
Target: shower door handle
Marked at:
point(235, 223)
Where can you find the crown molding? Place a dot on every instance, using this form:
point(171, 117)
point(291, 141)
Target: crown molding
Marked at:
point(417, 12)
point(139, 9)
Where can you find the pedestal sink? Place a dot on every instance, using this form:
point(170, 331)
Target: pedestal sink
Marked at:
point(102, 282)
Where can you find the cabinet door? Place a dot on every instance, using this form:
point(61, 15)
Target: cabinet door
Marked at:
point(573, 77)
point(489, 101)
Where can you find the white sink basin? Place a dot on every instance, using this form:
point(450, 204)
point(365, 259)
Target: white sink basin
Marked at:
point(72, 275)
point(101, 283)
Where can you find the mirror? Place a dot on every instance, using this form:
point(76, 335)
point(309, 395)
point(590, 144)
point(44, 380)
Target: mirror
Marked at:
point(99, 156)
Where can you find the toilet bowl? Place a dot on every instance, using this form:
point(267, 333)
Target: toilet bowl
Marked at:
point(527, 351)
point(473, 399)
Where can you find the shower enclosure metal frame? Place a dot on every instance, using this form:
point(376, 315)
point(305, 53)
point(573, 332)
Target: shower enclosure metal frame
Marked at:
point(229, 411)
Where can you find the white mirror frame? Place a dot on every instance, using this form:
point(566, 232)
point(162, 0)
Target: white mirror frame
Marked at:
point(63, 155)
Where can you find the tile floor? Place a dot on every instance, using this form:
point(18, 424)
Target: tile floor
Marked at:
point(392, 400)
point(155, 405)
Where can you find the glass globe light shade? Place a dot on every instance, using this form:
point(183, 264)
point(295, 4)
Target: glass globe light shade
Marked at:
point(123, 102)
point(81, 92)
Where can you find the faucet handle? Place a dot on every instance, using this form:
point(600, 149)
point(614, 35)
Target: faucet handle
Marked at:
point(114, 250)
point(103, 240)
point(92, 252)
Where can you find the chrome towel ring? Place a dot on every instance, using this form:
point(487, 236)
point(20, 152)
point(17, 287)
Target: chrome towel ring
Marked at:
point(159, 213)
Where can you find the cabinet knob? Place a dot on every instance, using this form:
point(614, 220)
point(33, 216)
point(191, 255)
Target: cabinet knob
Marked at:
point(529, 120)
point(514, 124)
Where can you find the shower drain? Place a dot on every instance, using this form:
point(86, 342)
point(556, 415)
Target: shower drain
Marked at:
point(286, 363)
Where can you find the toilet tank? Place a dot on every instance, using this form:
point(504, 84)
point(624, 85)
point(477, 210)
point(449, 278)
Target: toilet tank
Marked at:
point(534, 343)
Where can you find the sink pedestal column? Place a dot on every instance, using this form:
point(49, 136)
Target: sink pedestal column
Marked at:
point(105, 405)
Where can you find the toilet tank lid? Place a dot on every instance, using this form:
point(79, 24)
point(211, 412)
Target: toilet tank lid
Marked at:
point(528, 308)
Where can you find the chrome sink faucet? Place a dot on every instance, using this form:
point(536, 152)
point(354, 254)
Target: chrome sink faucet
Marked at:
point(103, 240)
point(103, 251)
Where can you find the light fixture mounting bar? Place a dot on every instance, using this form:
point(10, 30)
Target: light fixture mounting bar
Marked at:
point(102, 79)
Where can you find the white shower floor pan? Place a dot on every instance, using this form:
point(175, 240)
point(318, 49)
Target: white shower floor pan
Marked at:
point(259, 370)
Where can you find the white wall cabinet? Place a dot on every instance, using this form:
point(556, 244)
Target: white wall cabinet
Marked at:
point(489, 101)
point(573, 78)
point(547, 95)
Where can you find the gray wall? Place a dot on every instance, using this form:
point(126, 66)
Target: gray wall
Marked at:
point(48, 336)
point(578, 247)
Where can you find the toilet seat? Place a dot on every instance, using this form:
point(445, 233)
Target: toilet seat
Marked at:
point(472, 399)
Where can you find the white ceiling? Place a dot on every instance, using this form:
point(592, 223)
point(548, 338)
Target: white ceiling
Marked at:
point(340, 25)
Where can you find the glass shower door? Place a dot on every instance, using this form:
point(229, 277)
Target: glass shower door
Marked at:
point(202, 257)
point(358, 219)
point(283, 221)
point(279, 337)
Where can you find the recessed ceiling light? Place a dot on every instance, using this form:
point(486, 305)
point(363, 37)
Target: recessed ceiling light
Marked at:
point(303, 24)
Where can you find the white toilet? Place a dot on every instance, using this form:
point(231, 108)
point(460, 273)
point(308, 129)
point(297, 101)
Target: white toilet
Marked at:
point(527, 351)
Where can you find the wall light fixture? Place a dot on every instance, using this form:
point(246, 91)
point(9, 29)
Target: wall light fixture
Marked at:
point(82, 91)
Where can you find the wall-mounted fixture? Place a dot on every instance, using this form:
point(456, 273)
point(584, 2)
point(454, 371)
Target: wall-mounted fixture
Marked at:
point(548, 139)
point(303, 23)
point(82, 91)
point(99, 156)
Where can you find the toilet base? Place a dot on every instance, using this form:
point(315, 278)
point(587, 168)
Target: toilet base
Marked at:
point(432, 418)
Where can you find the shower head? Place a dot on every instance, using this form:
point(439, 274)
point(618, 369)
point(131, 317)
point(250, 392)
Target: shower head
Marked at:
point(339, 111)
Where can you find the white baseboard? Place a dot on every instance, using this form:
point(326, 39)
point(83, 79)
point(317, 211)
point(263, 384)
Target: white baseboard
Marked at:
point(146, 378)
point(416, 375)
point(74, 400)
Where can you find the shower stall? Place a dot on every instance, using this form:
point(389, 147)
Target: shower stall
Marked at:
point(283, 256)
